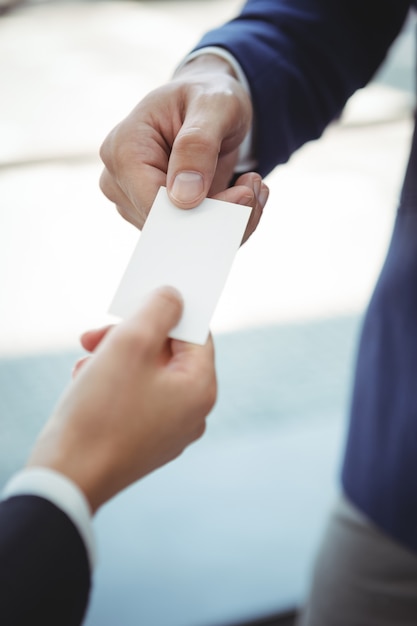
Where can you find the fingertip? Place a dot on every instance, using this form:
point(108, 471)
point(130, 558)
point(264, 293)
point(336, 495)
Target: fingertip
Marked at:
point(169, 293)
point(91, 338)
point(263, 195)
point(157, 316)
point(242, 194)
point(86, 339)
point(187, 189)
point(79, 364)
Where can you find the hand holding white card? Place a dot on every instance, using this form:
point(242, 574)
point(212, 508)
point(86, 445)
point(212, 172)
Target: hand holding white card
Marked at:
point(191, 250)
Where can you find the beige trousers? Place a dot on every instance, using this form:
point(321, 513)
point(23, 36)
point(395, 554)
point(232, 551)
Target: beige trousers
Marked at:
point(361, 576)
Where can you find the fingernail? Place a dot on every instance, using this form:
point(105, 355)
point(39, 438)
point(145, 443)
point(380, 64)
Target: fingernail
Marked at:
point(257, 187)
point(187, 187)
point(263, 196)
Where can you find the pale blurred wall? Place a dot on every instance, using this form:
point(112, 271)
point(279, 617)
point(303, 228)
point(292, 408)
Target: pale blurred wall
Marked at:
point(70, 72)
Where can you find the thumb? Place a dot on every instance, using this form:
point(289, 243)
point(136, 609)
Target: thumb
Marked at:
point(192, 166)
point(208, 131)
point(152, 323)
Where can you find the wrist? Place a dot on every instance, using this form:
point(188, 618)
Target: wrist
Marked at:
point(207, 62)
point(218, 73)
point(75, 458)
point(218, 66)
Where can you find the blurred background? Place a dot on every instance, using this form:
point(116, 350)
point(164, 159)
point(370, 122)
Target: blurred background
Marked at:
point(225, 535)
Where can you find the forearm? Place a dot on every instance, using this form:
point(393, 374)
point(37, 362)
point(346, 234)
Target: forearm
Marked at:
point(303, 60)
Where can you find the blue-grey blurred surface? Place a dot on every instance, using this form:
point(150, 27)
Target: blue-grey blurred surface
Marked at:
point(228, 531)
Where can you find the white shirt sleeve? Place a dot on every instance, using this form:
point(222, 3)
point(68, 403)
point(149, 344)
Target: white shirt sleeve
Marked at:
point(63, 493)
point(246, 161)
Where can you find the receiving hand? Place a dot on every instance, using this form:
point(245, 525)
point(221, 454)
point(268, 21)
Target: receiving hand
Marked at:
point(133, 406)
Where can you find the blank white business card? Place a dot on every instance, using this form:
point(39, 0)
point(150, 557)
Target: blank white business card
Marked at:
point(191, 250)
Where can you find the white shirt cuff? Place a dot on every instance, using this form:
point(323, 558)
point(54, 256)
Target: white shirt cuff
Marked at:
point(63, 493)
point(246, 161)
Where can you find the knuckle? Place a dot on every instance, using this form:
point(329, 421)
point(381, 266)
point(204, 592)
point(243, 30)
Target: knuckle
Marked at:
point(106, 186)
point(212, 394)
point(200, 430)
point(195, 140)
point(133, 341)
point(124, 212)
point(115, 151)
point(209, 395)
point(106, 151)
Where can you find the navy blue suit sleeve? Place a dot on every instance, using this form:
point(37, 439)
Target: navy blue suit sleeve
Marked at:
point(44, 569)
point(303, 59)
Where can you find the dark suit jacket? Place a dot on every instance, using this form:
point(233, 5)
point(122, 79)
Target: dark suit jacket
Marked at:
point(44, 569)
point(303, 59)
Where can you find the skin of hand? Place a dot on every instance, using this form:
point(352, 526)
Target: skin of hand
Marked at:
point(132, 406)
point(184, 135)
